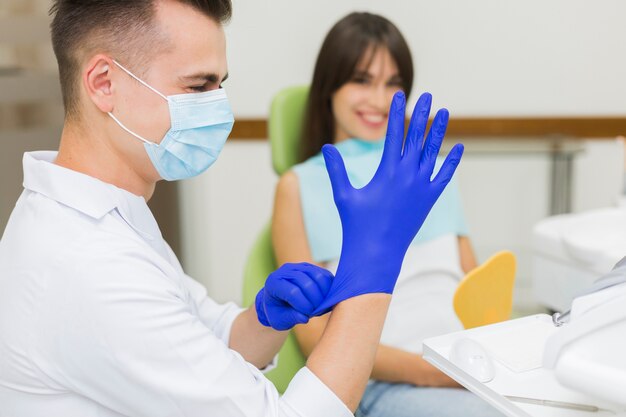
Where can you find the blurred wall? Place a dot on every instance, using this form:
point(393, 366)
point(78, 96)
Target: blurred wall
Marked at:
point(31, 110)
point(478, 58)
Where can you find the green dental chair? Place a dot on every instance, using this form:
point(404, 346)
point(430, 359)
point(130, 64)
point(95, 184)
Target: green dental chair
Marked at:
point(285, 122)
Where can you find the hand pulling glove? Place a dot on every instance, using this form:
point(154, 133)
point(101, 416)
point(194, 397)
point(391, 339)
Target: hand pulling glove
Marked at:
point(291, 295)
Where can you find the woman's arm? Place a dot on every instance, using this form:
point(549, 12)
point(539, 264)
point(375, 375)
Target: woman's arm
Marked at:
point(288, 233)
point(466, 252)
point(290, 245)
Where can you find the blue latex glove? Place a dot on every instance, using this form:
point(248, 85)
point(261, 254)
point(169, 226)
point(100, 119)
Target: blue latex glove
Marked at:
point(380, 220)
point(291, 295)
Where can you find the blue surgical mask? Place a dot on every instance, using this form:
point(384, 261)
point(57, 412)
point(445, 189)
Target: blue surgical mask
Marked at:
point(200, 125)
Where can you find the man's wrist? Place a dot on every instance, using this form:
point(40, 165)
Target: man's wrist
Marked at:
point(260, 311)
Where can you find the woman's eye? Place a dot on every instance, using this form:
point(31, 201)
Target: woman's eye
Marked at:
point(360, 80)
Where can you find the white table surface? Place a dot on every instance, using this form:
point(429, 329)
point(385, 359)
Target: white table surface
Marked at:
point(537, 383)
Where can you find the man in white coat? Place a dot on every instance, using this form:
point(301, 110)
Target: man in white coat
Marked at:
point(97, 317)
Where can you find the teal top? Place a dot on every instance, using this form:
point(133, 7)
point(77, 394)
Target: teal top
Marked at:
point(321, 219)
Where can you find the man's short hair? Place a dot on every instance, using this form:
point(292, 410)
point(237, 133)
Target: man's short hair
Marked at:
point(125, 28)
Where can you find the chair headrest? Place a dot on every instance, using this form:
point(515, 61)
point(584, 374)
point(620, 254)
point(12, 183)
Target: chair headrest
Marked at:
point(285, 126)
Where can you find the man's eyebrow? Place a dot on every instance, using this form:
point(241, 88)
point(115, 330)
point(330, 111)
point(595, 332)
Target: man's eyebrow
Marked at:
point(203, 76)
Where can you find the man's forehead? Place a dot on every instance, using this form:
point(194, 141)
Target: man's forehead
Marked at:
point(197, 44)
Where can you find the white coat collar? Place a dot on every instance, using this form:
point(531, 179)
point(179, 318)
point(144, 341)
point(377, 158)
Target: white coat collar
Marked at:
point(86, 194)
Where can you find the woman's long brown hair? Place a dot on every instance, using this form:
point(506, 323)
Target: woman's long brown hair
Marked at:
point(342, 50)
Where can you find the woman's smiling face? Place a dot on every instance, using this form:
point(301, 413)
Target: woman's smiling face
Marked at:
point(360, 106)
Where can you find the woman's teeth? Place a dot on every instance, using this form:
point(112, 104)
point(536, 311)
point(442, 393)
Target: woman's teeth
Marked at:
point(373, 118)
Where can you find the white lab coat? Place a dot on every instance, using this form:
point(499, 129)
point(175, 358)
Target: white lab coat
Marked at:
point(97, 317)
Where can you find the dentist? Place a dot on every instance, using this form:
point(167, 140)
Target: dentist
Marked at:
point(97, 317)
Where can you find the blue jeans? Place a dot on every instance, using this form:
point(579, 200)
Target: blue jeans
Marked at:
point(382, 399)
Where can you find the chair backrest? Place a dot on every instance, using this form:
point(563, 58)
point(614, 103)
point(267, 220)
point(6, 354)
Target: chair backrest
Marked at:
point(261, 262)
point(285, 125)
point(485, 295)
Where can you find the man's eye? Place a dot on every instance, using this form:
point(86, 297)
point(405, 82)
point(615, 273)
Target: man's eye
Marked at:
point(198, 88)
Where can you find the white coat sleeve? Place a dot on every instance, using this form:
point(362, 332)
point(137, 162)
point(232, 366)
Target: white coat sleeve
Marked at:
point(218, 318)
point(131, 342)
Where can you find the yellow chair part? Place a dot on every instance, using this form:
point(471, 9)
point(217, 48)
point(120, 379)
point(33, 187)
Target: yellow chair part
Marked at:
point(485, 295)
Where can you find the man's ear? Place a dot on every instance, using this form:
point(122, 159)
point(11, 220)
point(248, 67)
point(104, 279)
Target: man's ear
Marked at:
point(97, 82)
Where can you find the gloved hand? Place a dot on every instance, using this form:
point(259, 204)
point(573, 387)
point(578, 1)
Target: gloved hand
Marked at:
point(380, 220)
point(291, 295)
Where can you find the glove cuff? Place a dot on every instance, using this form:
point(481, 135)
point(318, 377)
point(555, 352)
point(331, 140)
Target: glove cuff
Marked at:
point(260, 310)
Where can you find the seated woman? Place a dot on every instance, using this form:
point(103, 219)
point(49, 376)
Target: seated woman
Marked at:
point(363, 61)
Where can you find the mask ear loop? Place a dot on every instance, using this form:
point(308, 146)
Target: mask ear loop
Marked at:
point(146, 85)
point(130, 131)
point(140, 80)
